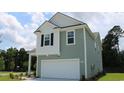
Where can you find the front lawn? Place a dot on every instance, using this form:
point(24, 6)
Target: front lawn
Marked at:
point(112, 77)
point(5, 76)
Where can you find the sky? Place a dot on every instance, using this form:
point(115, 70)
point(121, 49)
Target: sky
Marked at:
point(16, 28)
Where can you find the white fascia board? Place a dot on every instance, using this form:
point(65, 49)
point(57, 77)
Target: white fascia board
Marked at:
point(70, 28)
point(75, 59)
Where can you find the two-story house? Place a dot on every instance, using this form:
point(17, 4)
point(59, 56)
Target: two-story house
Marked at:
point(66, 49)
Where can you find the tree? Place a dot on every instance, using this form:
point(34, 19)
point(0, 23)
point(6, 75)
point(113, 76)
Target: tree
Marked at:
point(10, 57)
point(110, 47)
point(23, 57)
point(33, 63)
point(14, 59)
point(122, 56)
point(12, 66)
point(2, 65)
point(25, 65)
point(5, 58)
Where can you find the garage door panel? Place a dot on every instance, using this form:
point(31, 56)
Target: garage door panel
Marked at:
point(60, 69)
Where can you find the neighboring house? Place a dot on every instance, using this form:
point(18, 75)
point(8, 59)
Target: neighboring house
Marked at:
point(66, 49)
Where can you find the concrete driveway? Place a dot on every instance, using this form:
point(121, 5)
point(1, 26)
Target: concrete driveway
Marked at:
point(50, 79)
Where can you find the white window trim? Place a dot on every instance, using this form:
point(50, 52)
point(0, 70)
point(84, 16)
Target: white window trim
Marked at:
point(49, 40)
point(67, 37)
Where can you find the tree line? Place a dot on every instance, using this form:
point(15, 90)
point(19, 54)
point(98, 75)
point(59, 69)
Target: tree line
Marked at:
point(15, 60)
point(113, 57)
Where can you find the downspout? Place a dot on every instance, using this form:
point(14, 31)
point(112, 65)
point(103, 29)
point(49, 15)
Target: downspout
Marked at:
point(85, 53)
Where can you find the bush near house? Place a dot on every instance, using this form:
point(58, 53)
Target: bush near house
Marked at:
point(12, 76)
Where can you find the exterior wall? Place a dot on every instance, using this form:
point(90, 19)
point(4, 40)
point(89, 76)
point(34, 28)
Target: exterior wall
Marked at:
point(68, 51)
point(99, 54)
point(47, 28)
point(93, 56)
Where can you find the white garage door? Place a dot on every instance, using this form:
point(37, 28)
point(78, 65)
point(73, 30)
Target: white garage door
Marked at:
point(61, 68)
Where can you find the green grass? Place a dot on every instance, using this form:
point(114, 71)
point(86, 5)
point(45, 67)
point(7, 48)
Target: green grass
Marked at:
point(112, 77)
point(4, 76)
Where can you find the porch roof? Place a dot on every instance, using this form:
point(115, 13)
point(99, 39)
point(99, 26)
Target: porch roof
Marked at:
point(32, 52)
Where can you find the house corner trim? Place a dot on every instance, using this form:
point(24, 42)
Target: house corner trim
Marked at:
point(85, 53)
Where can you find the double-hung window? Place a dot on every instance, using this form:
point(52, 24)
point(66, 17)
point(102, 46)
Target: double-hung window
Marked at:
point(47, 39)
point(70, 38)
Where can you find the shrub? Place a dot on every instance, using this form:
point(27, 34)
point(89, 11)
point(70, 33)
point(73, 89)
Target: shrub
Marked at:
point(29, 75)
point(11, 75)
point(26, 74)
point(16, 77)
point(21, 74)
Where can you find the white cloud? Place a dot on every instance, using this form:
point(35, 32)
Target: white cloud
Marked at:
point(37, 17)
point(17, 34)
point(9, 21)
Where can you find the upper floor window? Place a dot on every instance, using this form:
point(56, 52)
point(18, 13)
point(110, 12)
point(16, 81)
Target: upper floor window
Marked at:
point(70, 38)
point(47, 39)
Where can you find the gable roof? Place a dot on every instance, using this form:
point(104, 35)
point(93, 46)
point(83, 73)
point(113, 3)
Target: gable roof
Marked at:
point(96, 34)
point(43, 24)
point(60, 20)
point(63, 20)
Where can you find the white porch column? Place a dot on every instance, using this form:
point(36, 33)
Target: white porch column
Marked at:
point(29, 65)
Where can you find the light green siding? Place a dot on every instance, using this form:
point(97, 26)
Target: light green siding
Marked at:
point(68, 51)
point(99, 53)
point(93, 56)
point(77, 51)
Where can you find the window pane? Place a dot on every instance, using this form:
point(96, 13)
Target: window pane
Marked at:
point(70, 40)
point(46, 42)
point(47, 39)
point(70, 34)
